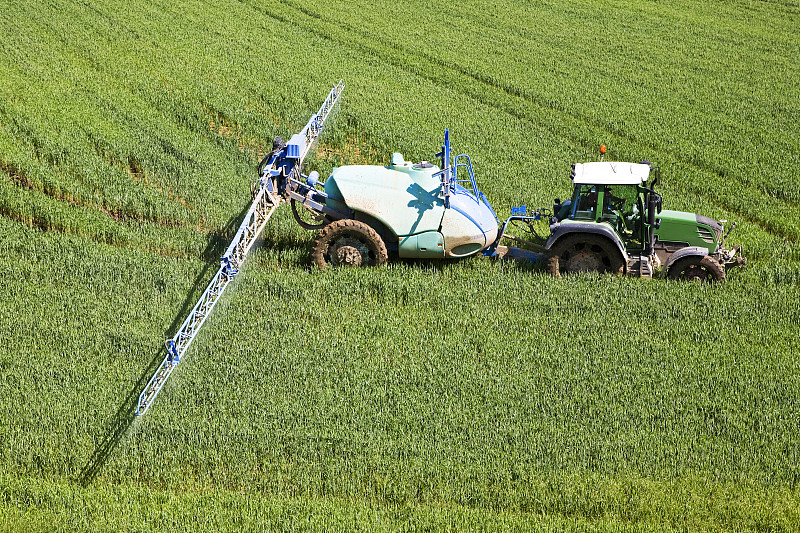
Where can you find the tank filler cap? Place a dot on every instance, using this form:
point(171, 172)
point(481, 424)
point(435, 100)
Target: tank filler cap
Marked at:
point(422, 164)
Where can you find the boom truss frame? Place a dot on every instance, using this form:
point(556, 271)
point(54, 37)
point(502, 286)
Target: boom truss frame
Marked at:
point(285, 161)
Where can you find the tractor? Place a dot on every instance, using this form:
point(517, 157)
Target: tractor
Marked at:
point(614, 223)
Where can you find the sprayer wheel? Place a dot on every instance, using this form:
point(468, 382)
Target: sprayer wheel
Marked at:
point(348, 242)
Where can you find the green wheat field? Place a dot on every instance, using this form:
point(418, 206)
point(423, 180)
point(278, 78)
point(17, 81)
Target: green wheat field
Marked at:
point(468, 395)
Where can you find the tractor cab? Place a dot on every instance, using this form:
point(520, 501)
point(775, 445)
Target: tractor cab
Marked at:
point(614, 193)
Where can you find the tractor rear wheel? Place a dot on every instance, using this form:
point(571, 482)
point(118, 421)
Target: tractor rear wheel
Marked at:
point(584, 253)
point(348, 243)
point(696, 268)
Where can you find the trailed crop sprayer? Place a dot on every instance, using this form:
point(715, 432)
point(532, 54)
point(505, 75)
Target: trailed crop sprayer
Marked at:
point(612, 223)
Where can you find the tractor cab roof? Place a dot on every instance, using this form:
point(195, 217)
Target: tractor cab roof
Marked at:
point(610, 173)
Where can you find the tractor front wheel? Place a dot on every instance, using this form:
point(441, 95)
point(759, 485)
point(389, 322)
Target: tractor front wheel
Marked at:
point(584, 253)
point(696, 268)
point(348, 243)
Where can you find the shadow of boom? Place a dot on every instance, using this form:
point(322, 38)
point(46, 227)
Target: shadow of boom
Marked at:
point(120, 423)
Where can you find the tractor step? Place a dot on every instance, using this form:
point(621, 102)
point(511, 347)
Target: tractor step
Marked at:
point(641, 267)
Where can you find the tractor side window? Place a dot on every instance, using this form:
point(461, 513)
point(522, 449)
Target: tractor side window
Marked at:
point(621, 208)
point(585, 202)
point(620, 199)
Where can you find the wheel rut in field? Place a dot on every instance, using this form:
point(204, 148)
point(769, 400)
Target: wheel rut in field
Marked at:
point(20, 179)
point(514, 102)
point(29, 204)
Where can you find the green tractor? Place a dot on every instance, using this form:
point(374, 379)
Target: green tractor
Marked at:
point(614, 223)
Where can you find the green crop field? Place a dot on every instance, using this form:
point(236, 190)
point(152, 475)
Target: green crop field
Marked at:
point(469, 395)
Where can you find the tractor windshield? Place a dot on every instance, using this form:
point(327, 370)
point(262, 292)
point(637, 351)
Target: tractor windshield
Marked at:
point(621, 205)
point(585, 202)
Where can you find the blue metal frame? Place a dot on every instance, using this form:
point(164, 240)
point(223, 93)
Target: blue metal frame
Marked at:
point(446, 174)
point(449, 175)
point(471, 180)
point(300, 143)
point(264, 205)
point(517, 213)
point(284, 163)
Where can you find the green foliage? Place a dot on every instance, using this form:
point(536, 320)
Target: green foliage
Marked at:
point(465, 395)
point(39, 505)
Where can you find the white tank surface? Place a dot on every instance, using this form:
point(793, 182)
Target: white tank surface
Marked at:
point(468, 226)
point(408, 200)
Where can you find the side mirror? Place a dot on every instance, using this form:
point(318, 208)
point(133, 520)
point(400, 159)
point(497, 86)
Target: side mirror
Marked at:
point(657, 172)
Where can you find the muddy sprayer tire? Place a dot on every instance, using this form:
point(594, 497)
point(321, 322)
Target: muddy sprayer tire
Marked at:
point(348, 243)
point(584, 253)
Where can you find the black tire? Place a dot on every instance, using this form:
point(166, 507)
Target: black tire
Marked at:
point(584, 253)
point(696, 268)
point(317, 224)
point(348, 243)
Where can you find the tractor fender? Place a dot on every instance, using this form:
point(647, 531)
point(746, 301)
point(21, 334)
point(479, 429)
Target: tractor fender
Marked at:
point(685, 252)
point(560, 230)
